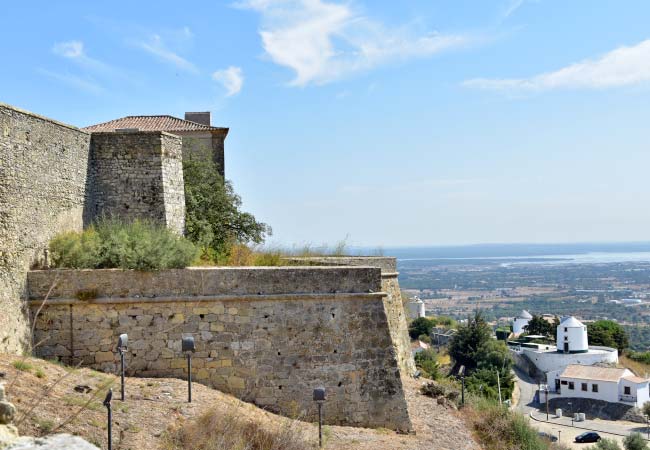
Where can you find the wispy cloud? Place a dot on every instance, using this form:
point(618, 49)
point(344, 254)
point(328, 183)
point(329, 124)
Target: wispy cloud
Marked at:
point(323, 41)
point(158, 47)
point(232, 79)
point(74, 81)
point(75, 51)
point(512, 7)
point(623, 66)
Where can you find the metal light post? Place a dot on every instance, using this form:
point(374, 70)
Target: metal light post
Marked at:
point(122, 344)
point(187, 346)
point(461, 372)
point(319, 398)
point(559, 436)
point(107, 404)
point(571, 412)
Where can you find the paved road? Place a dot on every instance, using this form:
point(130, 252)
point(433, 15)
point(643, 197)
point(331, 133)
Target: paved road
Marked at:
point(527, 389)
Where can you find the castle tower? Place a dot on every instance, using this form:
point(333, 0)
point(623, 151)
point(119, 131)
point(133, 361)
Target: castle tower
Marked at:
point(520, 322)
point(572, 336)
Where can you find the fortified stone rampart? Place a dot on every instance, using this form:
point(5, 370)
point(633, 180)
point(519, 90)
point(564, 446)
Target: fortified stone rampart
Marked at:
point(267, 335)
point(393, 306)
point(43, 167)
point(138, 175)
point(55, 177)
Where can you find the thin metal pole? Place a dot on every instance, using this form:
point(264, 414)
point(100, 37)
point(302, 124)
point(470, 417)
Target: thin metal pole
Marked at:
point(499, 386)
point(189, 378)
point(320, 425)
point(462, 395)
point(122, 375)
point(110, 427)
point(559, 436)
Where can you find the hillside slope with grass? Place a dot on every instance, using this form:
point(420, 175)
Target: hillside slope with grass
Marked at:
point(52, 398)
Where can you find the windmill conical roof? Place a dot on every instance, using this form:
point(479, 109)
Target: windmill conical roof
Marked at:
point(525, 314)
point(571, 322)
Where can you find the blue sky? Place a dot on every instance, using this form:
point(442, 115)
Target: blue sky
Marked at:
point(387, 123)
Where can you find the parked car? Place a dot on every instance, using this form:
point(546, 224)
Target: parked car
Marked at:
point(547, 436)
point(589, 436)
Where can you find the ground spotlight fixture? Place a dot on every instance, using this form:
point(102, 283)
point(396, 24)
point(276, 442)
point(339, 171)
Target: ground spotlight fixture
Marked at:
point(122, 344)
point(187, 346)
point(319, 398)
point(107, 404)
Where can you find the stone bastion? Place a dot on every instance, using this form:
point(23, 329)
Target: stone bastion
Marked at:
point(268, 335)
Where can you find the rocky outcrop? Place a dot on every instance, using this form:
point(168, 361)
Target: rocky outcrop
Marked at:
point(53, 442)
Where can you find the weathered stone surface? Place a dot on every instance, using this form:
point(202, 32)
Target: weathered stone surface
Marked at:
point(319, 326)
point(138, 175)
point(392, 302)
point(53, 442)
point(43, 167)
point(8, 435)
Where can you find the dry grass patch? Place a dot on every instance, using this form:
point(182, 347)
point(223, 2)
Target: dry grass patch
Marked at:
point(226, 429)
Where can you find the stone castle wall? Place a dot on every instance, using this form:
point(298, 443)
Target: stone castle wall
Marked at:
point(138, 175)
point(205, 144)
point(393, 305)
point(43, 177)
point(267, 335)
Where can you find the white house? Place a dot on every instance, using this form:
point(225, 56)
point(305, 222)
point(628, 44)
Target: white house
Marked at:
point(415, 308)
point(520, 322)
point(609, 384)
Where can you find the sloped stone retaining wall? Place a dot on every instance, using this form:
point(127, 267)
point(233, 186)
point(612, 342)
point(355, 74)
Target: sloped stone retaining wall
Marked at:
point(267, 335)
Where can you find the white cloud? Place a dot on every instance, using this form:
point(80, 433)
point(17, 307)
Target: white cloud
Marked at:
point(75, 51)
point(232, 79)
point(69, 49)
point(623, 66)
point(157, 47)
point(323, 41)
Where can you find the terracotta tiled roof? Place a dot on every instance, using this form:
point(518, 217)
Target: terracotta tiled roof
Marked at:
point(593, 373)
point(153, 123)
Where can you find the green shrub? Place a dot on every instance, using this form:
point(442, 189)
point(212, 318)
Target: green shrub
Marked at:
point(111, 243)
point(498, 428)
point(427, 362)
point(606, 444)
point(635, 441)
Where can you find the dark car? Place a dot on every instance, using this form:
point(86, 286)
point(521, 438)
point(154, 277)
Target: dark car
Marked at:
point(589, 436)
point(547, 436)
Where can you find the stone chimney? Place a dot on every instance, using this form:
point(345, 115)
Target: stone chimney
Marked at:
point(199, 117)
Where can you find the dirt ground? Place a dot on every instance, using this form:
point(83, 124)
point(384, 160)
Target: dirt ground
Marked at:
point(47, 402)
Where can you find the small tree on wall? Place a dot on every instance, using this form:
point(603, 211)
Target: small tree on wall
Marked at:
point(214, 219)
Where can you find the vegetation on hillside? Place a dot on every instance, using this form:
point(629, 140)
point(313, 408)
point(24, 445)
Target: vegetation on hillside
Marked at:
point(112, 243)
point(214, 220)
point(487, 362)
point(540, 326)
point(498, 428)
point(608, 333)
point(424, 325)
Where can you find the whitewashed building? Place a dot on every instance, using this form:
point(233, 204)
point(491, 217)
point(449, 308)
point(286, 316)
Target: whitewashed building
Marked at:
point(609, 384)
point(520, 322)
point(572, 348)
point(415, 308)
